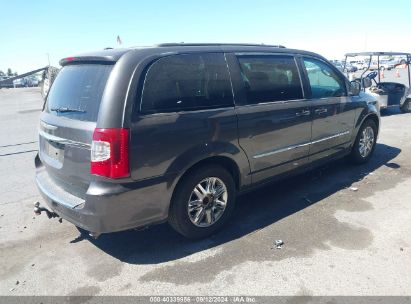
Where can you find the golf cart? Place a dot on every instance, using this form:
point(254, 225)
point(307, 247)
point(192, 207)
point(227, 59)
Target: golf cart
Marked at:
point(388, 94)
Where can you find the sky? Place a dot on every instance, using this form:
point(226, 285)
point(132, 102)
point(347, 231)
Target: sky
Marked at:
point(31, 32)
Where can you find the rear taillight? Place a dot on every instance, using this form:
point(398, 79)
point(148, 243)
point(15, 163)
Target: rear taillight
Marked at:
point(109, 153)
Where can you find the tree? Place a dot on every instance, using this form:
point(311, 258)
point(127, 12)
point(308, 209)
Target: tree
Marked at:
point(15, 74)
point(2, 73)
point(9, 72)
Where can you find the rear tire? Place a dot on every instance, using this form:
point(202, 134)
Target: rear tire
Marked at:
point(365, 142)
point(198, 209)
point(406, 107)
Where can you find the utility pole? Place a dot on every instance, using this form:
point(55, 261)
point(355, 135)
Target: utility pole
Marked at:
point(48, 70)
point(48, 58)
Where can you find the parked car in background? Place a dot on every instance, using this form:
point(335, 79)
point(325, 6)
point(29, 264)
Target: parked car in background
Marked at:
point(350, 68)
point(387, 65)
point(20, 82)
point(337, 64)
point(29, 81)
point(401, 60)
point(357, 63)
point(5, 82)
point(134, 137)
point(384, 65)
point(340, 66)
point(34, 82)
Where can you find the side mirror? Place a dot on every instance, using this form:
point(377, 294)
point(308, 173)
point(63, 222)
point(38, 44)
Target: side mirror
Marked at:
point(366, 82)
point(355, 88)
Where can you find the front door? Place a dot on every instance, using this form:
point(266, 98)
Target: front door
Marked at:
point(274, 118)
point(333, 110)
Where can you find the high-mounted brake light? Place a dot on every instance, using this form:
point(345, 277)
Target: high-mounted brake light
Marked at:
point(110, 153)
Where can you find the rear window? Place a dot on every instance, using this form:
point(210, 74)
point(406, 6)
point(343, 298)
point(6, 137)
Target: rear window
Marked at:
point(76, 93)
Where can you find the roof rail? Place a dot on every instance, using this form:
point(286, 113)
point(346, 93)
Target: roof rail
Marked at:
point(217, 44)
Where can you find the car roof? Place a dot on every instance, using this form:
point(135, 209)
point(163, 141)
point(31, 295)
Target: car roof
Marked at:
point(113, 55)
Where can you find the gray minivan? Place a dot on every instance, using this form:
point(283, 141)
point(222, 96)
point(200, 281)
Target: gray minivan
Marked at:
point(134, 137)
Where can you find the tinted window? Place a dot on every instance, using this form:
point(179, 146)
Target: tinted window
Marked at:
point(187, 82)
point(270, 78)
point(324, 81)
point(76, 93)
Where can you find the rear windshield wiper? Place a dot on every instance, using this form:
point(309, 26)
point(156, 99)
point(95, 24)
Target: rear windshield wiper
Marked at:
point(66, 109)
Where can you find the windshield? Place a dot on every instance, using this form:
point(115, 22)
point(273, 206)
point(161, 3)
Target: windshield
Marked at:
point(76, 93)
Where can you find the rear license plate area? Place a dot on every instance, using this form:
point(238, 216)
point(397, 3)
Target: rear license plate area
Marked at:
point(53, 151)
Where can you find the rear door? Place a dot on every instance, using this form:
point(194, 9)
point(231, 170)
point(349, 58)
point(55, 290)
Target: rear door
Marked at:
point(333, 110)
point(274, 118)
point(68, 122)
point(186, 113)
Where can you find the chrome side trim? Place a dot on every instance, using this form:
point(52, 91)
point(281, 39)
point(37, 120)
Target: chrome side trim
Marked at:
point(281, 150)
point(64, 141)
point(300, 145)
point(330, 137)
point(272, 102)
point(47, 126)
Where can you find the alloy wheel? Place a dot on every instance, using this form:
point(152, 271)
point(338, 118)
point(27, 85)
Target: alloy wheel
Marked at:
point(207, 202)
point(366, 142)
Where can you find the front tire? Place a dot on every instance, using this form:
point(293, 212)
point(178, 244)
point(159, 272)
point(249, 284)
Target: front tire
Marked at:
point(365, 142)
point(406, 107)
point(202, 202)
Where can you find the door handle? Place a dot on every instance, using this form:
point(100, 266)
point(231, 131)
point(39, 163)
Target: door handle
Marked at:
point(303, 113)
point(321, 111)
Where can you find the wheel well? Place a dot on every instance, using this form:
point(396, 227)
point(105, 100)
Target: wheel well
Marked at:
point(375, 119)
point(223, 161)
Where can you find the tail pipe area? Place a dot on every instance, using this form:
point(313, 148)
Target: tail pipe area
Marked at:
point(39, 209)
point(50, 214)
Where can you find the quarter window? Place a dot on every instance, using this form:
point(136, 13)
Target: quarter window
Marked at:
point(187, 82)
point(324, 81)
point(270, 78)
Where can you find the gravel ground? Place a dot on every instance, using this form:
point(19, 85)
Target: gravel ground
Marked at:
point(346, 231)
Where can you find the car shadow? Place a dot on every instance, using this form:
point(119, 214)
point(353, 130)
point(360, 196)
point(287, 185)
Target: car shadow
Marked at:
point(254, 211)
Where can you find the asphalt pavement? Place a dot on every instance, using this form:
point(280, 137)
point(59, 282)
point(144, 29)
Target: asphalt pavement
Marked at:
point(346, 230)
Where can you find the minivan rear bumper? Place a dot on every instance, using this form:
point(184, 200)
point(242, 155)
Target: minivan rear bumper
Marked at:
point(108, 207)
